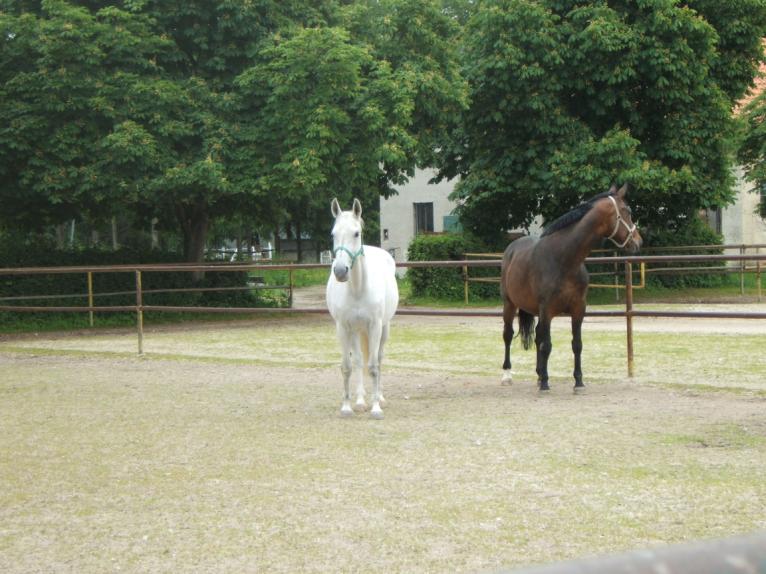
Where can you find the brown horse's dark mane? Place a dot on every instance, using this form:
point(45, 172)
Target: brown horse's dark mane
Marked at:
point(574, 215)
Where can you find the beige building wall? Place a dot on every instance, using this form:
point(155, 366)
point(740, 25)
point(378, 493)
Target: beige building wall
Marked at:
point(397, 213)
point(740, 222)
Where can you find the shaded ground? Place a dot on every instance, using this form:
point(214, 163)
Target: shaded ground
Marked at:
point(222, 451)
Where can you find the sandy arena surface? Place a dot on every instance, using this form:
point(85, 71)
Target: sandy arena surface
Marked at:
point(222, 450)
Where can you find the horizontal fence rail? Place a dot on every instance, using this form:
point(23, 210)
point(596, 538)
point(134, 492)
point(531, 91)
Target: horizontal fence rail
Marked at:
point(139, 308)
point(191, 267)
point(742, 268)
point(145, 291)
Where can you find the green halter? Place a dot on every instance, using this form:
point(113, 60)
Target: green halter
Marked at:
point(350, 254)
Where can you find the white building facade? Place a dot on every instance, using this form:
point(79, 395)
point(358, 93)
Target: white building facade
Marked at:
point(423, 207)
point(741, 222)
point(420, 207)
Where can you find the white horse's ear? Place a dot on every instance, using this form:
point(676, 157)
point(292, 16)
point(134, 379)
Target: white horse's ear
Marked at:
point(335, 207)
point(622, 191)
point(357, 208)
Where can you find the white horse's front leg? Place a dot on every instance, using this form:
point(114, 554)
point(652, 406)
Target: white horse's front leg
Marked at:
point(345, 369)
point(375, 334)
point(360, 404)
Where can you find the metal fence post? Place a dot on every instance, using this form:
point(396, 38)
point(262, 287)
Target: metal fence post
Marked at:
point(90, 297)
point(629, 313)
point(139, 313)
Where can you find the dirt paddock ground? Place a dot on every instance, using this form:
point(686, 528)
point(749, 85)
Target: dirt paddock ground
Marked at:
point(222, 450)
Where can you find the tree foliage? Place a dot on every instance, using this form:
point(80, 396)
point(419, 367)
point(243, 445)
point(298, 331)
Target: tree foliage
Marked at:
point(56, 67)
point(189, 110)
point(568, 96)
point(193, 112)
point(739, 26)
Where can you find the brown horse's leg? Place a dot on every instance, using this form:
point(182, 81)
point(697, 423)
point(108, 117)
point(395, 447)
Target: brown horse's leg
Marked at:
point(509, 312)
point(577, 348)
point(544, 346)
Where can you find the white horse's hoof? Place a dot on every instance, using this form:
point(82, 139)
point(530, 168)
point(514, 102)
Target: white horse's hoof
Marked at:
point(579, 390)
point(346, 410)
point(507, 377)
point(376, 412)
point(360, 406)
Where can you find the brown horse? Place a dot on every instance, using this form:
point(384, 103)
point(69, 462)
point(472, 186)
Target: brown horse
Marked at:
point(546, 276)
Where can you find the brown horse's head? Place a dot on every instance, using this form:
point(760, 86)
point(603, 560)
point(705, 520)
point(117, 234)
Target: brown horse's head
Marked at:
point(620, 228)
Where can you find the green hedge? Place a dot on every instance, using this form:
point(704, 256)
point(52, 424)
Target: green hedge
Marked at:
point(695, 233)
point(447, 282)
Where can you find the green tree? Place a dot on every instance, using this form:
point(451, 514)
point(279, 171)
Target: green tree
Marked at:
point(190, 111)
point(204, 168)
point(568, 96)
point(55, 66)
point(739, 25)
point(347, 111)
point(132, 108)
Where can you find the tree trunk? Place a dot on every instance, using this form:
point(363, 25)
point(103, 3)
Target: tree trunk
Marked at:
point(61, 236)
point(115, 243)
point(298, 242)
point(194, 222)
point(277, 247)
point(154, 234)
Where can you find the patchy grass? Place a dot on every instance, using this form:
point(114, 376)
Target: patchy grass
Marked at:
point(221, 450)
point(693, 358)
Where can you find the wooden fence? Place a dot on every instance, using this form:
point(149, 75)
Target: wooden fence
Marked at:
point(139, 308)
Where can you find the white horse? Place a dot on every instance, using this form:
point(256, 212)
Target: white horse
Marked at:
point(362, 296)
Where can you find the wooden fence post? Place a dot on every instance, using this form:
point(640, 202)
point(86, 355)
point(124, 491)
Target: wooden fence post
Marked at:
point(465, 283)
point(742, 272)
point(629, 313)
point(758, 274)
point(139, 313)
point(290, 293)
point(90, 297)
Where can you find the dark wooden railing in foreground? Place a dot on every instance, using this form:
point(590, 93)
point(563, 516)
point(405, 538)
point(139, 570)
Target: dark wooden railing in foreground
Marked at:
point(737, 555)
point(139, 308)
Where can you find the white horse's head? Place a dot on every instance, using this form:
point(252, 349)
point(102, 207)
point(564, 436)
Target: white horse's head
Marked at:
point(346, 239)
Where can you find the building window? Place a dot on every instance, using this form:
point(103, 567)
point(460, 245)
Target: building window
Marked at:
point(424, 217)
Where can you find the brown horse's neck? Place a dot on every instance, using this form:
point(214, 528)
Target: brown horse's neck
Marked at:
point(573, 244)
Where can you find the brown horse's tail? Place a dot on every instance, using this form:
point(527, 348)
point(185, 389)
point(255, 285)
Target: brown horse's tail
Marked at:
point(526, 328)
